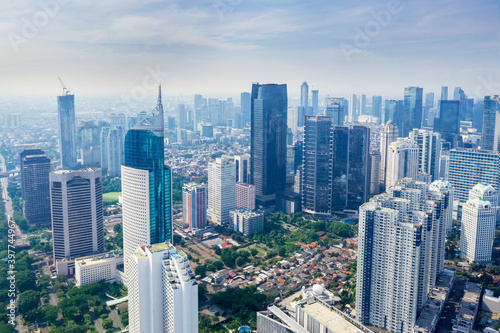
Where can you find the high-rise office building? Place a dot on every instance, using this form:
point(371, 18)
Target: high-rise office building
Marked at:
point(478, 224)
point(353, 108)
point(388, 135)
point(315, 101)
point(429, 151)
point(448, 123)
point(401, 252)
point(444, 93)
point(67, 130)
point(181, 116)
point(412, 106)
point(402, 161)
point(194, 205)
point(112, 150)
point(469, 167)
point(76, 207)
point(362, 108)
point(242, 163)
point(146, 186)
point(375, 159)
point(246, 106)
point(304, 95)
point(459, 95)
point(162, 291)
point(429, 104)
point(377, 107)
point(393, 114)
point(245, 196)
point(221, 190)
point(336, 173)
point(35, 185)
point(268, 141)
point(491, 123)
point(335, 109)
point(198, 101)
point(477, 115)
point(11, 120)
point(104, 140)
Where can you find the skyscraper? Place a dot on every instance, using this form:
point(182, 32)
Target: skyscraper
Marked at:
point(162, 291)
point(401, 251)
point(388, 135)
point(393, 114)
point(268, 141)
point(429, 104)
point(242, 163)
point(115, 151)
point(491, 123)
point(377, 107)
point(362, 108)
point(444, 93)
point(353, 108)
point(76, 206)
point(181, 116)
point(459, 95)
point(448, 123)
point(104, 140)
point(402, 161)
point(246, 108)
point(221, 190)
point(375, 172)
point(315, 101)
point(335, 109)
point(194, 205)
point(469, 167)
point(478, 225)
point(35, 185)
point(146, 186)
point(304, 95)
point(335, 174)
point(245, 196)
point(412, 105)
point(67, 130)
point(429, 151)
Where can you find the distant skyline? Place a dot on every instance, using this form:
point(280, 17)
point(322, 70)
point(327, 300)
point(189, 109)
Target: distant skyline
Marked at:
point(218, 48)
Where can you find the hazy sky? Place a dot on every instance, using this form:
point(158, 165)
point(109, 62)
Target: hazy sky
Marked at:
point(221, 47)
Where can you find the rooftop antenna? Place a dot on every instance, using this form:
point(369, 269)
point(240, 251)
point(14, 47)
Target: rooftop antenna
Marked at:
point(65, 89)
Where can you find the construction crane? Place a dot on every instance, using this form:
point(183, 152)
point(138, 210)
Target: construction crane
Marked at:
point(65, 89)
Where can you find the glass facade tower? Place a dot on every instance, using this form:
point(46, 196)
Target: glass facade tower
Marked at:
point(412, 117)
point(67, 130)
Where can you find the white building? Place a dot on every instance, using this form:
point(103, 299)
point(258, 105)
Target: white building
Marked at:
point(221, 190)
point(478, 225)
point(194, 205)
point(401, 252)
point(76, 206)
point(429, 151)
point(388, 135)
point(162, 291)
point(95, 268)
point(245, 196)
point(242, 163)
point(247, 222)
point(402, 161)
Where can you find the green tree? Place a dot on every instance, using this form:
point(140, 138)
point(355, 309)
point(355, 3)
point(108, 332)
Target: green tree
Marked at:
point(26, 280)
point(28, 300)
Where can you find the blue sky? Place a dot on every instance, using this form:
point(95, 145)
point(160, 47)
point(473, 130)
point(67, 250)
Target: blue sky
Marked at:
point(220, 47)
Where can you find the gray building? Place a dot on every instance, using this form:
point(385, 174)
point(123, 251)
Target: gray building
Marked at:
point(491, 123)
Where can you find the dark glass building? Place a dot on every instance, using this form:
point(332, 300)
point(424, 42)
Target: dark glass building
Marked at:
point(146, 185)
point(67, 130)
point(448, 123)
point(268, 141)
point(394, 114)
point(412, 106)
point(336, 173)
point(335, 109)
point(35, 185)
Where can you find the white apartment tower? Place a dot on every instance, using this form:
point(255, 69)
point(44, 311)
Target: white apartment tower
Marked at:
point(429, 151)
point(76, 206)
point(402, 161)
point(221, 190)
point(245, 196)
point(401, 252)
point(388, 135)
point(478, 225)
point(163, 293)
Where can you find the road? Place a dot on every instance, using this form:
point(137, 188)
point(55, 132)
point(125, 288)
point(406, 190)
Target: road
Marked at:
point(451, 307)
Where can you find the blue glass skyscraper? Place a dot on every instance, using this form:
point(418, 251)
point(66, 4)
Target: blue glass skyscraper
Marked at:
point(412, 117)
point(146, 185)
point(67, 130)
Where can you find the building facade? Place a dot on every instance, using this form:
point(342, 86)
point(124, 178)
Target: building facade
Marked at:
point(194, 205)
point(77, 216)
point(67, 130)
point(35, 185)
point(221, 190)
point(245, 196)
point(242, 163)
point(402, 161)
point(388, 135)
point(412, 106)
point(246, 221)
point(146, 186)
point(162, 291)
point(491, 123)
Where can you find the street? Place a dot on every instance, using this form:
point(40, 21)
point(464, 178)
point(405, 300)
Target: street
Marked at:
point(451, 307)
